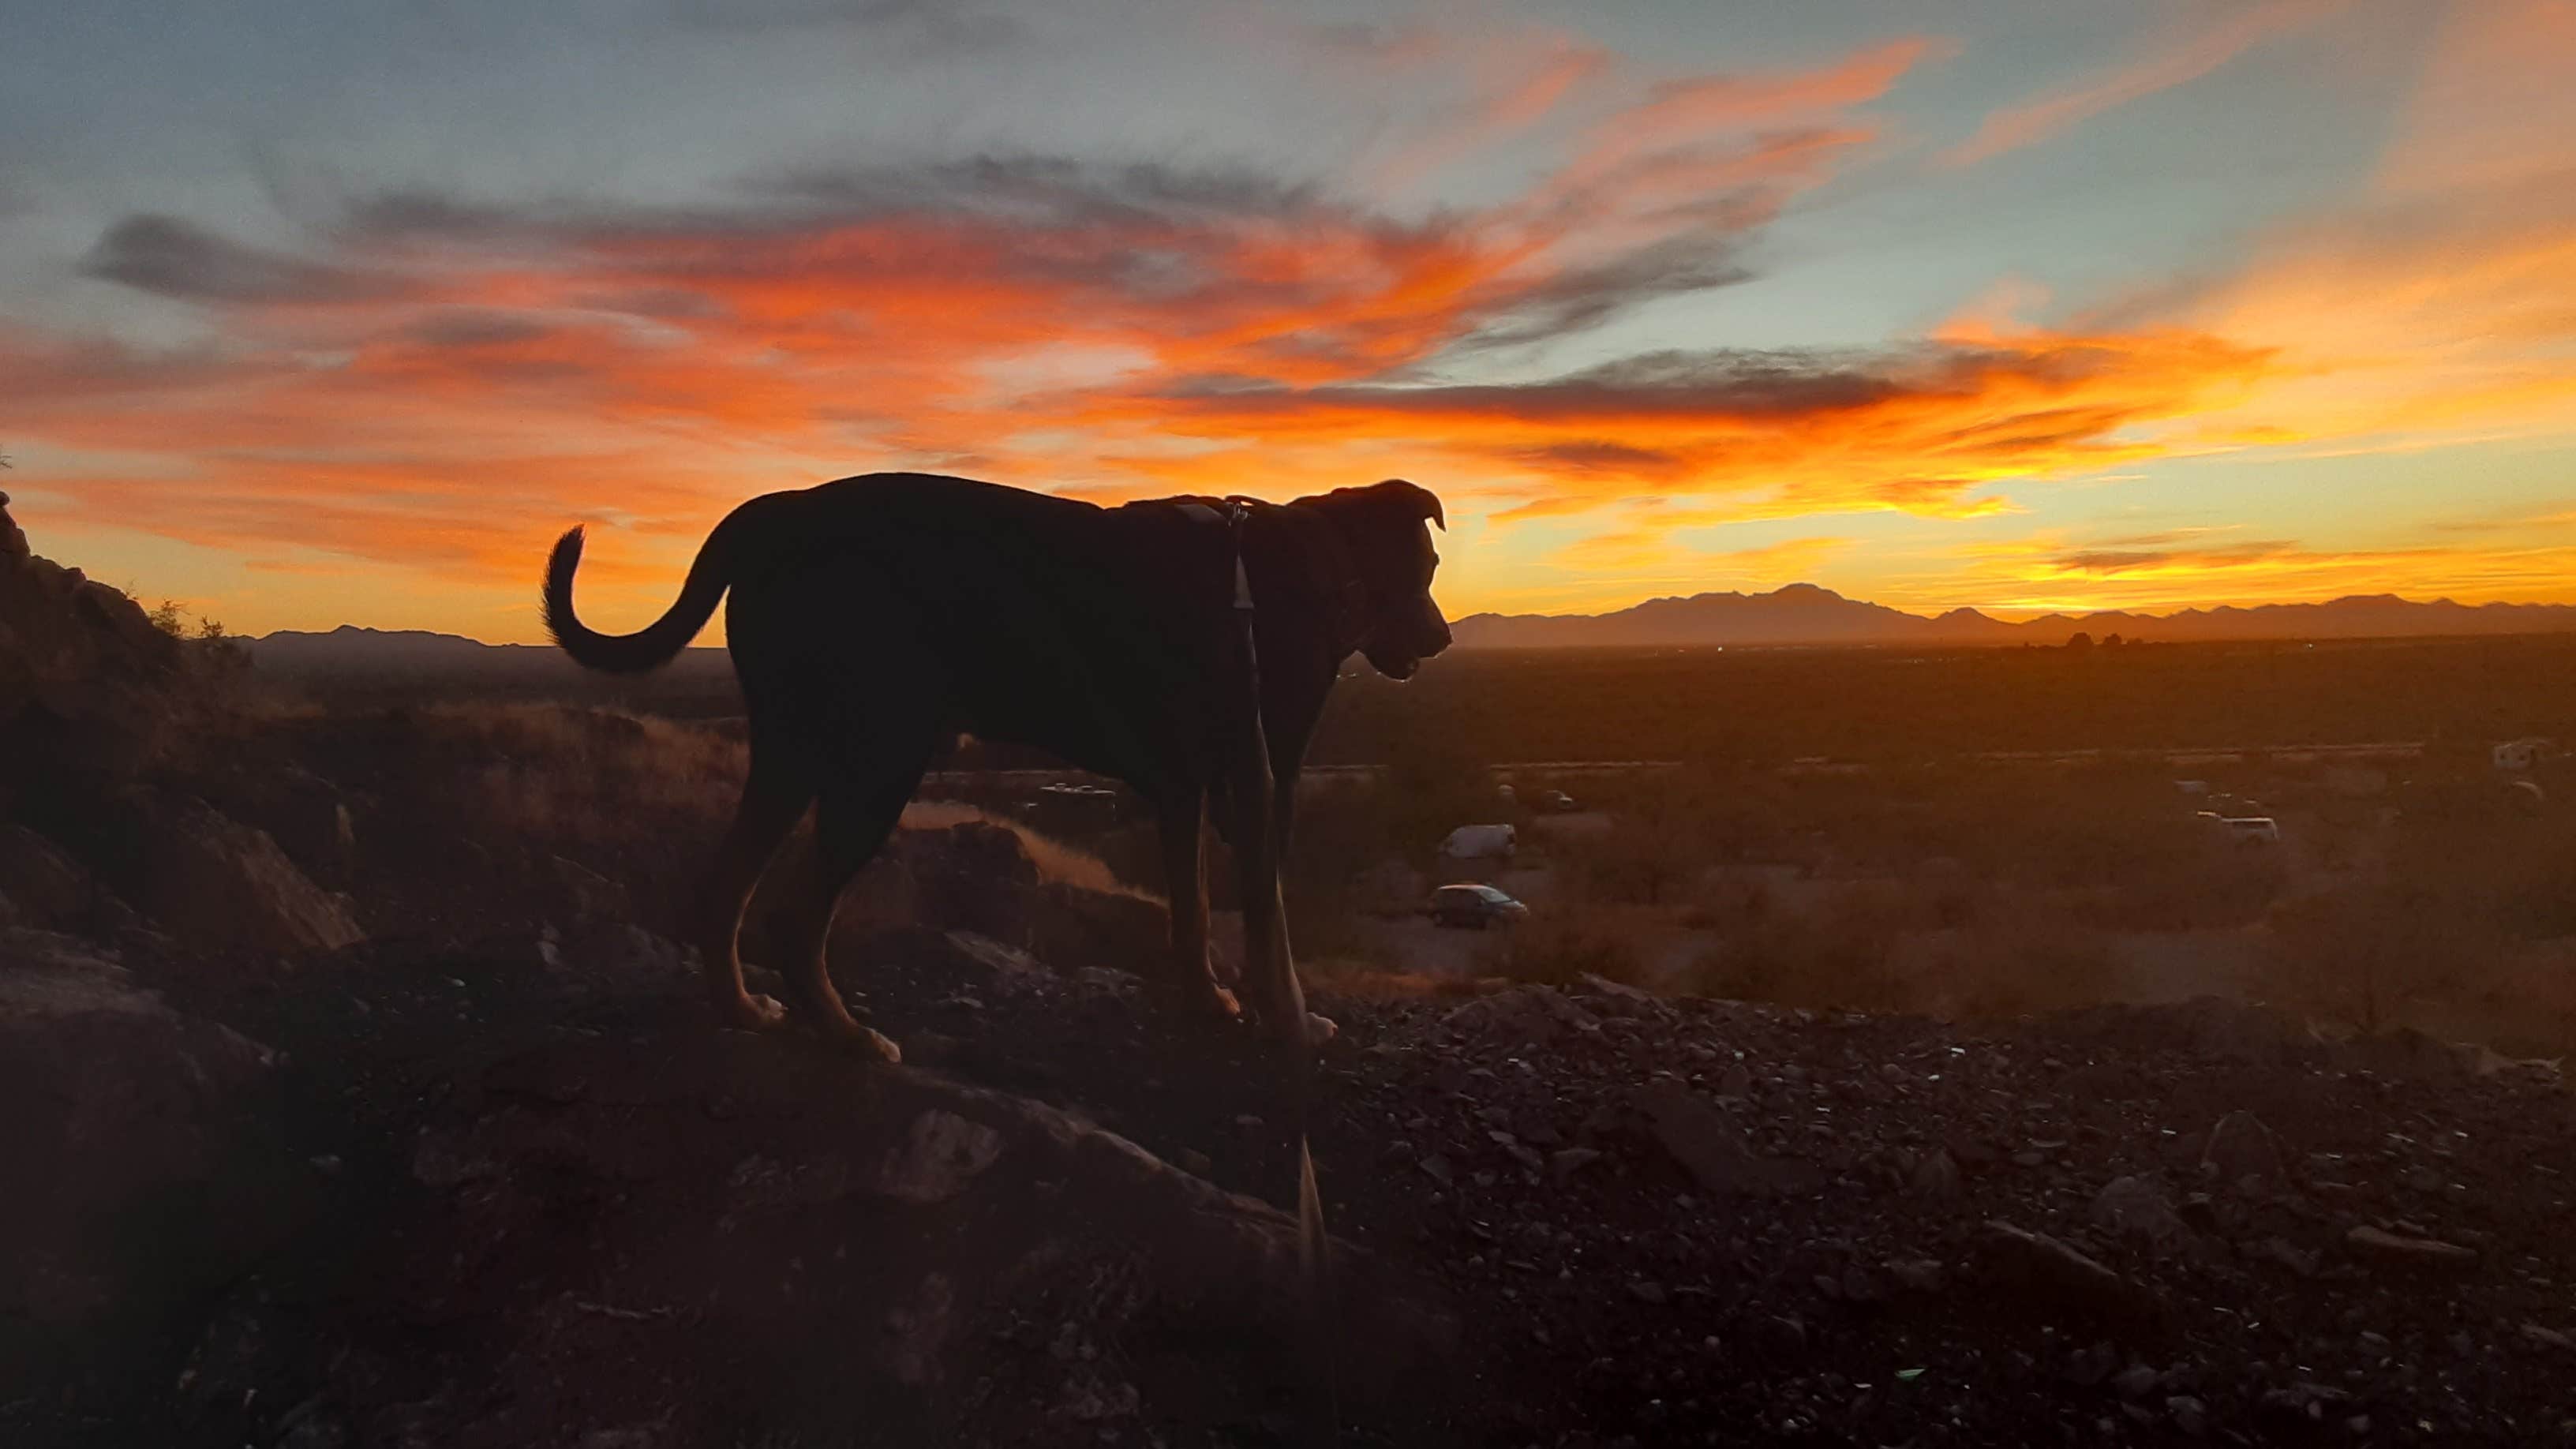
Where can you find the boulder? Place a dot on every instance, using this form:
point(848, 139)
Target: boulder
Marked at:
point(1937, 1176)
point(1709, 1146)
point(2389, 1247)
point(209, 878)
point(2058, 1283)
point(586, 894)
point(2139, 1208)
point(1070, 928)
point(46, 886)
point(141, 1146)
point(305, 814)
point(844, 1254)
point(972, 877)
point(1522, 1014)
point(1618, 998)
point(2243, 1154)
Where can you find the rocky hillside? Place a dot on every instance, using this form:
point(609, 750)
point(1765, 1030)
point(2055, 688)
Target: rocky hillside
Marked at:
point(358, 1098)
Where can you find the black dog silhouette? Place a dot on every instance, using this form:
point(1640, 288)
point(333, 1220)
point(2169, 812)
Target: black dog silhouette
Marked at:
point(873, 619)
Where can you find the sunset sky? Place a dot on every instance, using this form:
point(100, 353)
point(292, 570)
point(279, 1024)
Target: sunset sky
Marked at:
point(320, 313)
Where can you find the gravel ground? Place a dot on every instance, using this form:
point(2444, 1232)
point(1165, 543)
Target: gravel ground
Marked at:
point(1654, 1221)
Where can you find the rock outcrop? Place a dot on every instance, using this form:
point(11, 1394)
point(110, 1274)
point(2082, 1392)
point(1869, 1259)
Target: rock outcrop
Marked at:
point(209, 878)
point(836, 1251)
point(86, 682)
point(140, 1145)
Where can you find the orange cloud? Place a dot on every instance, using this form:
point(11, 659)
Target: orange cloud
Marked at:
point(1915, 429)
point(1644, 549)
point(2048, 572)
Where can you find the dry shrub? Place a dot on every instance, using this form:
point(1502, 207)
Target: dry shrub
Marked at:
point(2024, 964)
point(1056, 861)
point(2458, 929)
point(2374, 958)
point(1837, 959)
point(1647, 860)
point(1561, 946)
point(1884, 946)
point(2220, 883)
point(577, 777)
point(1354, 980)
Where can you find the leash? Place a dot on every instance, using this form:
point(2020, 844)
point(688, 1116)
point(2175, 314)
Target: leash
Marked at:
point(1313, 1258)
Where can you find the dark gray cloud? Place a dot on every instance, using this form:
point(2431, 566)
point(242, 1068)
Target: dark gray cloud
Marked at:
point(38, 372)
point(176, 258)
point(1580, 300)
point(916, 26)
point(1051, 191)
point(2119, 560)
point(1600, 456)
point(476, 327)
point(1150, 233)
point(1679, 384)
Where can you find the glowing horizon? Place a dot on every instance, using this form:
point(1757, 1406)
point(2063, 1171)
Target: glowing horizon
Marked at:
point(2190, 305)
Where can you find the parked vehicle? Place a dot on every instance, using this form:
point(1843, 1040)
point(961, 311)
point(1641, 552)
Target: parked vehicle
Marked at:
point(1480, 842)
point(2254, 829)
point(1557, 802)
point(1474, 907)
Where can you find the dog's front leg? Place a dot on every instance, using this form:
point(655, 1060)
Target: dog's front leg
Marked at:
point(1181, 819)
point(1269, 968)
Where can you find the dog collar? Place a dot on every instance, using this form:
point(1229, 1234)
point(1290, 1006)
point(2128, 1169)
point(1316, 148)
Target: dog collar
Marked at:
point(1233, 518)
point(1350, 605)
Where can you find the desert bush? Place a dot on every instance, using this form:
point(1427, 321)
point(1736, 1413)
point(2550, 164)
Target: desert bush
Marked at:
point(1056, 860)
point(2025, 963)
point(2370, 957)
point(1350, 978)
point(580, 777)
point(1726, 905)
point(1648, 858)
point(1835, 958)
point(1564, 945)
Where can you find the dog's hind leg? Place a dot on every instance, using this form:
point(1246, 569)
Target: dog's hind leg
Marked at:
point(773, 800)
point(1180, 819)
point(850, 826)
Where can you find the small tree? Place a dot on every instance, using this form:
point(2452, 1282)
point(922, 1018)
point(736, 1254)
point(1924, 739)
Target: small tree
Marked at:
point(169, 619)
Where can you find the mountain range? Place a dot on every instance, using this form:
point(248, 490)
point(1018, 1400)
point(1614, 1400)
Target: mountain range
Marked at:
point(1795, 616)
point(1804, 615)
point(350, 649)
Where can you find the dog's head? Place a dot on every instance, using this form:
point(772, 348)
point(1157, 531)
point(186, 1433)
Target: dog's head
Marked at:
point(1381, 526)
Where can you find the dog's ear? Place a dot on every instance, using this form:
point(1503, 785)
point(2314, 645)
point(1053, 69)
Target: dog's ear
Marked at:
point(1419, 501)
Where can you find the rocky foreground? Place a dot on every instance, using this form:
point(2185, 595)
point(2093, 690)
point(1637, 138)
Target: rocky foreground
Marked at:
point(514, 1190)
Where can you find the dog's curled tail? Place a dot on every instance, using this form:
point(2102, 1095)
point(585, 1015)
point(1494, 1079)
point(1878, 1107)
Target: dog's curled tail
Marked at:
point(656, 643)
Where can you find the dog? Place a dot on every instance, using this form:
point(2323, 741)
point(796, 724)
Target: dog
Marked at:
point(874, 619)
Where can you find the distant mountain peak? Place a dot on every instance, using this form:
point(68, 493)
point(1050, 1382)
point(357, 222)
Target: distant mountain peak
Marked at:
point(1809, 615)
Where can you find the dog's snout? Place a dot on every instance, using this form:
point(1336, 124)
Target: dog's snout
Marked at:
point(1435, 633)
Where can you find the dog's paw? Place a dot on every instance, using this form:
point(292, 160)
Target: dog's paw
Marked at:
point(864, 1041)
point(749, 1012)
point(1203, 999)
point(1320, 1029)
